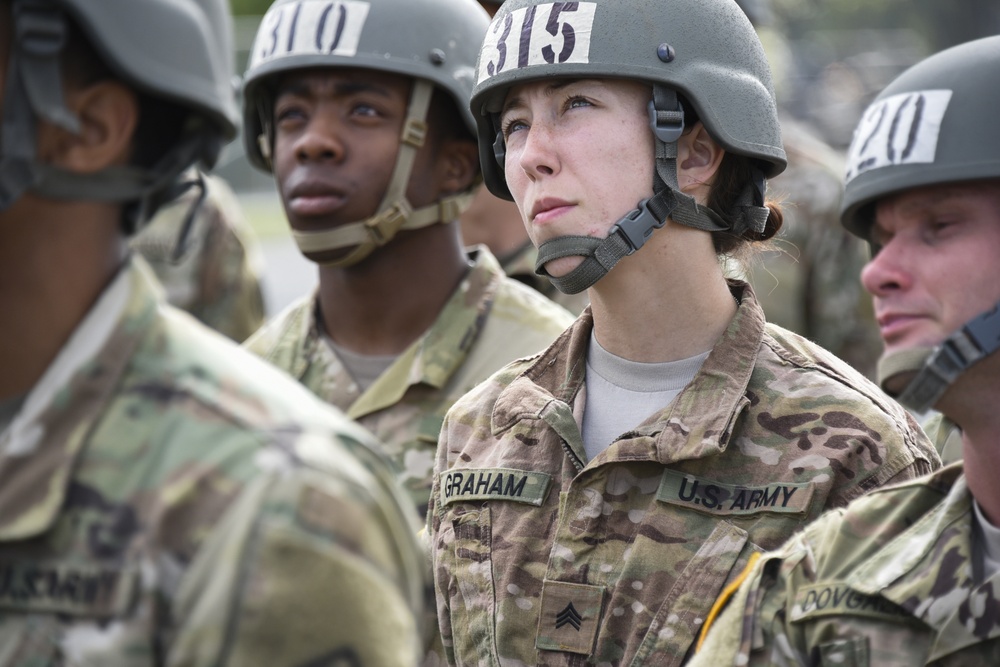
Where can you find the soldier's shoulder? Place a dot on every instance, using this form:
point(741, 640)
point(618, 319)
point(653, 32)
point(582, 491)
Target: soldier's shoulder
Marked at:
point(184, 359)
point(282, 331)
point(481, 398)
point(796, 354)
point(525, 306)
point(801, 368)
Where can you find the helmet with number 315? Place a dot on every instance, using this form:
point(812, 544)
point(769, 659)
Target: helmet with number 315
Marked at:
point(706, 50)
point(700, 56)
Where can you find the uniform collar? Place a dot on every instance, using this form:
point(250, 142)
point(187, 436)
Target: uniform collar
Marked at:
point(43, 441)
point(928, 570)
point(697, 423)
point(438, 354)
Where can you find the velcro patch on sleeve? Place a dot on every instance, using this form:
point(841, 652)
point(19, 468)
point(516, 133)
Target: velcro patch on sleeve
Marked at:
point(717, 498)
point(522, 486)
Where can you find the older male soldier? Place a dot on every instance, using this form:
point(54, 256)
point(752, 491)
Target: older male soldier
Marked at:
point(165, 497)
point(908, 575)
point(361, 111)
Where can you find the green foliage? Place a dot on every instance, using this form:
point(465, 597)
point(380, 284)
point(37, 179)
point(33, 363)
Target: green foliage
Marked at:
point(252, 7)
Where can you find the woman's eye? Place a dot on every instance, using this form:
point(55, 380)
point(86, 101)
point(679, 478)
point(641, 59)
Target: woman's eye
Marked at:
point(512, 125)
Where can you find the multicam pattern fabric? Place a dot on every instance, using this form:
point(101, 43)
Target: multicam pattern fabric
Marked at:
point(218, 279)
point(162, 508)
point(808, 283)
point(544, 558)
point(487, 323)
point(520, 266)
point(887, 581)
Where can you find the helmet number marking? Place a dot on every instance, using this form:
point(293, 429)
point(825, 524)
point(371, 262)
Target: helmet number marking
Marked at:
point(898, 130)
point(548, 33)
point(310, 27)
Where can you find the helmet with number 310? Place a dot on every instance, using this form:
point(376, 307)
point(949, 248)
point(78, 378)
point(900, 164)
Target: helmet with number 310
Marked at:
point(432, 41)
point(701, 53)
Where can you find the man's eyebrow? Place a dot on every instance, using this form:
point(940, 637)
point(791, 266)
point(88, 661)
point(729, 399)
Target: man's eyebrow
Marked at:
point(304, 88)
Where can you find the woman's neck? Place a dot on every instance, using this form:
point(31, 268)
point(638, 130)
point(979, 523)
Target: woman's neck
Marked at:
point(668, 301)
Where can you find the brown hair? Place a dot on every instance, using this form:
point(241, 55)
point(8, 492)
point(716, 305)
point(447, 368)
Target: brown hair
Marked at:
point(735, 172)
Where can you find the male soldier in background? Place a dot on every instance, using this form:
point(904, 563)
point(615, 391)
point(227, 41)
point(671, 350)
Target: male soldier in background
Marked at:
point(215, 273)
point(402, 324)
point(162, 492)
point(908, 575)
point(809, 282)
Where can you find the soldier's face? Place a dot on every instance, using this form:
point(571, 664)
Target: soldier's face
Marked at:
point(336, 140)
point(579, 156)
point(938, 265)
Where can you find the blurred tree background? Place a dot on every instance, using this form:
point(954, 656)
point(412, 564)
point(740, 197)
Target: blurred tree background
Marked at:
point(830, 57)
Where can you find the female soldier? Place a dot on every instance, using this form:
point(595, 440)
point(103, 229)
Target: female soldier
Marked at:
point(590, 502)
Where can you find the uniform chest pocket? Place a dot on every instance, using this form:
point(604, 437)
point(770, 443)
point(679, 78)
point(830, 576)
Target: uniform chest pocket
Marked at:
point(471, 589)
point(674, 628)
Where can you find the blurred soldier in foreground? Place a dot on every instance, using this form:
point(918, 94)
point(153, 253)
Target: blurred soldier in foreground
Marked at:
point(372, 146)
point(216, 273)
point(162, 492)
point(497, 223)
point(908, 575)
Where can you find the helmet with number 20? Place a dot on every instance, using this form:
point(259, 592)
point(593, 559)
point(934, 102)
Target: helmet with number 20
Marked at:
point(934, 124)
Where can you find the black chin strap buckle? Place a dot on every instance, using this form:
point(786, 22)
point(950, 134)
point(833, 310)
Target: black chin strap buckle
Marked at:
point(636, 227)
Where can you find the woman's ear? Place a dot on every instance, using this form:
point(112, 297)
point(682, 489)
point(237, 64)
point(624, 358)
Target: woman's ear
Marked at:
point(698, 160)
point(109, 113)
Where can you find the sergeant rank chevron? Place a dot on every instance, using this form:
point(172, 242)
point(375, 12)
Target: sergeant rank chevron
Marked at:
point(569, 615)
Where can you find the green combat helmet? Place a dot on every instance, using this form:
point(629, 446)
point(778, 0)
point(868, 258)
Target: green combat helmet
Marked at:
point(433, 41)
point(704, 53)
point(167, 62)
point(935, 123)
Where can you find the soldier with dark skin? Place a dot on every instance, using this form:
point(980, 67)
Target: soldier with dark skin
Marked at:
point(907, 575)
point(371, 145)
point(162, 491)
point(591, 501)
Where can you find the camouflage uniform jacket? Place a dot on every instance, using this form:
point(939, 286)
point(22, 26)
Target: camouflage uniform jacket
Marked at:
point(172, 500)
point(488, 322)
point(889, 581)
point(218, 278)
point(520, 265)
point(544, 558)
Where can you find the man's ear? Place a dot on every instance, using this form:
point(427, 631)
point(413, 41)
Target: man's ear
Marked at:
point(459, 165)
point(108, 113)
point(698, 160)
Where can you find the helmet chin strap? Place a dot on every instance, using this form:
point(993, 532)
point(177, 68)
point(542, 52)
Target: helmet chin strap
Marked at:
point(394, 213)
point(666, 119)
point(919, 377)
